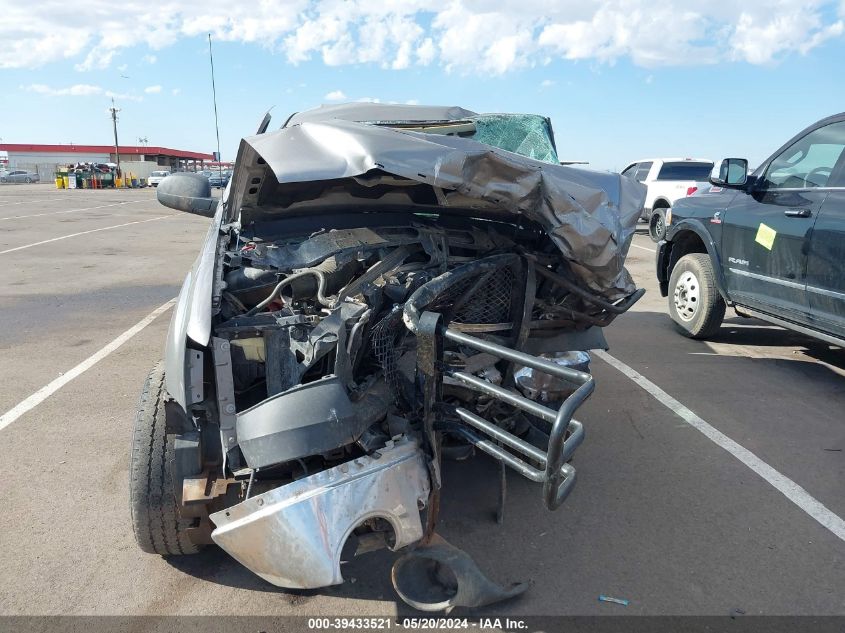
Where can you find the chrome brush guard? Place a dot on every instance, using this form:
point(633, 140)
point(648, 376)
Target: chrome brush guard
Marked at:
point(557, 477)
point(436, 313)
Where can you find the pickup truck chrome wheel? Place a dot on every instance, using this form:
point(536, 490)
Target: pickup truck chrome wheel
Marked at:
point(687, 292)
point(695, 304)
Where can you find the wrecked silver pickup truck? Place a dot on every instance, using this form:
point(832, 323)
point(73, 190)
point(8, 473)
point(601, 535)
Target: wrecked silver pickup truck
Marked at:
point(381, 287)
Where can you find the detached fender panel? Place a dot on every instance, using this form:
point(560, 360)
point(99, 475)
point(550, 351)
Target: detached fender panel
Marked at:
point(292, 536)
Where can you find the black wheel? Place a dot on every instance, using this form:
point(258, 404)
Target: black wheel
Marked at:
point(154, 493)
point(657, 224)
point(28, 179)
point(695, 304)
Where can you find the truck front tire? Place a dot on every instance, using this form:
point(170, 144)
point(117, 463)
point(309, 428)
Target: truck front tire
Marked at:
point(154, 493)
point(695, 305)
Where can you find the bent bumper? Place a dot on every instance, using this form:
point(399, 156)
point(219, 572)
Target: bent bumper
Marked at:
point(292, 536)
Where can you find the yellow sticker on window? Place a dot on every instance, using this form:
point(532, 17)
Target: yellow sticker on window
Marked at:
point(766, 236)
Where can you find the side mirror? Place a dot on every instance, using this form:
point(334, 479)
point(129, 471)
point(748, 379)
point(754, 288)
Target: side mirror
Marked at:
point(731, 172)
point(187, 192)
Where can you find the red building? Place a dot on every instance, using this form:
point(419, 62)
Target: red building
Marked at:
point(23, 154)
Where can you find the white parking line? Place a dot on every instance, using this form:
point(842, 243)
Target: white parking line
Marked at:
point(12, 204)
point(38, 215)
point(783, 484)
point(48, 390)
point(642, 248)
point(64, 237)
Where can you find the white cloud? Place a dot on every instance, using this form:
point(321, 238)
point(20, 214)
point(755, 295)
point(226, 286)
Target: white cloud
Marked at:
point(828, 32)
point(96, 59)
point(120, 96)
point(493, 41)
point(426, 52)
point(81, 90)
point(175, 91)
point(152, 90)
point(335, 95)
point(77, 90)
point(464, 36)
point(762, 41)
point(547, 83)
point(650, 35)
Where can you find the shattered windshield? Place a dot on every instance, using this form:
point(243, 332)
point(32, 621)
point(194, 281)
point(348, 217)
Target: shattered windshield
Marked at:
point(525, 134)
point(528, 135)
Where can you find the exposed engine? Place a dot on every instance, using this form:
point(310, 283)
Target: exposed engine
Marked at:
point(323, 366)
point(382, 349)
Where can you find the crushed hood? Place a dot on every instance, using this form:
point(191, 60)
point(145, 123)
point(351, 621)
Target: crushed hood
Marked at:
point(589, 215)
point(386, 112)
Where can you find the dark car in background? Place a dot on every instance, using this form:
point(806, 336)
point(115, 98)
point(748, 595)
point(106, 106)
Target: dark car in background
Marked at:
point(219, 179)
point(770, 244)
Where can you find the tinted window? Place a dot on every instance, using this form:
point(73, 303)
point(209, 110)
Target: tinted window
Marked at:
point(809, 161)
point(642, 170)
point(685, 170)
point(631, 171)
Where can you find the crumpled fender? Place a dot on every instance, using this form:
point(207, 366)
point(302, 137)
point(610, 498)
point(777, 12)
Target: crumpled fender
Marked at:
point(192, 314)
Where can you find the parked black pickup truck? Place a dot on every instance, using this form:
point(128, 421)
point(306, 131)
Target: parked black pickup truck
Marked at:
point(770, 244)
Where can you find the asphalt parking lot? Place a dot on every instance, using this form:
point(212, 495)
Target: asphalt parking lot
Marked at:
point(666, 513)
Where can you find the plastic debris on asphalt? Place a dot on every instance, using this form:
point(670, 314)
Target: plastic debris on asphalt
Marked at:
point(621, 601)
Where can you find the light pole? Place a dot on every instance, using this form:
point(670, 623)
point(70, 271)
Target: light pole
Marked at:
point(214, 96)
point(114, 112)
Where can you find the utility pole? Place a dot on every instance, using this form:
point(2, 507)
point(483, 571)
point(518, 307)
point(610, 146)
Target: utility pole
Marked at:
point(114, 112)
point(214, 97)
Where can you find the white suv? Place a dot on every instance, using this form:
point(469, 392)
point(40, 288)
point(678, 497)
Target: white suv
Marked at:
point(668, 180)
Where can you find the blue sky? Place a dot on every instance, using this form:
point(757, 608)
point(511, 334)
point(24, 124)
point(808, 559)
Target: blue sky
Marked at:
point(620, 79)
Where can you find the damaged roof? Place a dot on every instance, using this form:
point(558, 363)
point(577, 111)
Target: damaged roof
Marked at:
point(589, 215)
point(381, 112)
